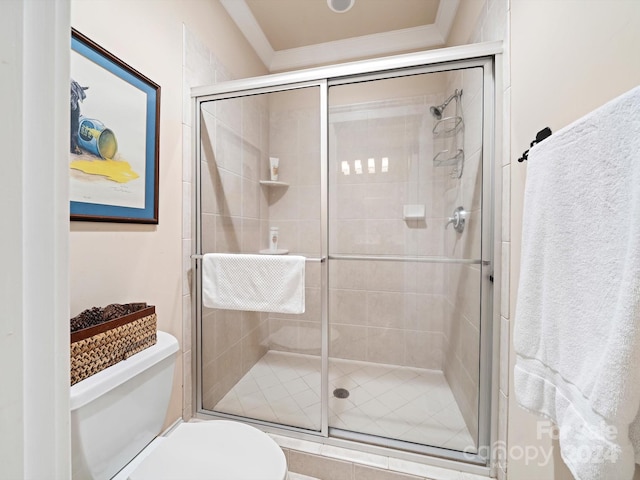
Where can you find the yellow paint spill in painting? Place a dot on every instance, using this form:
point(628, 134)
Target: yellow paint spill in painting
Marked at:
point(115, 170)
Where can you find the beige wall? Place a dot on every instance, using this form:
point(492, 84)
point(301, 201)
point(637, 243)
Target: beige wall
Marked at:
point(568, 58)
point(115, 262)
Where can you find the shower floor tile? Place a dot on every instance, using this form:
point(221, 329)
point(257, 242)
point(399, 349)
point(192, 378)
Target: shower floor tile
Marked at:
point(404, 403)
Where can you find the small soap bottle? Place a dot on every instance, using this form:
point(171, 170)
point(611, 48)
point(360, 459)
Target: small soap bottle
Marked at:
point(273, 239)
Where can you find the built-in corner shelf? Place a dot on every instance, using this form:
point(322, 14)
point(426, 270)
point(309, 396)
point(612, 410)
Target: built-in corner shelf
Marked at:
point(280, 251)
point(271, 183)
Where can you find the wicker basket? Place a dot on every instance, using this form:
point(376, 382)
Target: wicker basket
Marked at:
point(97, 347)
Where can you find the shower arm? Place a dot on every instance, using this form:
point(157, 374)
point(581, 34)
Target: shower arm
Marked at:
point(439, 110)
point(448, 100)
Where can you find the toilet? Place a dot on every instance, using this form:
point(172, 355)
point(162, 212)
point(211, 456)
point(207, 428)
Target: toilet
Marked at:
point(118, 412)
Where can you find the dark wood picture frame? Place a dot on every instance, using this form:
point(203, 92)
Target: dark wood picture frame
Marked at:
point(114, 141)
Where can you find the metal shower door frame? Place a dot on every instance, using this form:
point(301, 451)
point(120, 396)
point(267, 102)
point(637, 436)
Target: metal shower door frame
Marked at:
point(242, 89)
point(477, 55)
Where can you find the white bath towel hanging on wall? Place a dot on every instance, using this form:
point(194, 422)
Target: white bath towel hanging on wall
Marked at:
point(577, 323)
point(261, 283)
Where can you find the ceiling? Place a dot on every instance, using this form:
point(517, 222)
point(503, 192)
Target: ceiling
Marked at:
point(291, 34)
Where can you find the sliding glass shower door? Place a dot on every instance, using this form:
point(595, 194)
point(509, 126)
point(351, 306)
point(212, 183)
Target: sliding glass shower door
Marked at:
point(260, 170)
point(405, 280)
point(382, 180)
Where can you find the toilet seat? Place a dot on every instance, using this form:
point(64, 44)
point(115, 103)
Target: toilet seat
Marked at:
point(215, 450)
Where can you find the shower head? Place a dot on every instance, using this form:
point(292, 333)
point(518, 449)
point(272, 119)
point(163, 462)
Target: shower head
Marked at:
point(437, 111)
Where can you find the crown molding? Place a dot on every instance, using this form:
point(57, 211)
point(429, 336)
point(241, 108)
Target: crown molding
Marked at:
point(364, 46)
point(386, 43)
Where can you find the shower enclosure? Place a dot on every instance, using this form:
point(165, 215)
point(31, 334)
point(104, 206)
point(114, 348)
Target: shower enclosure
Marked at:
point(385, 186)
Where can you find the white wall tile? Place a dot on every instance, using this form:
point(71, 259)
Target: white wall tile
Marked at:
point(186, 267)
point(506, 48)
point(505, 327)
point(503, 418)
point(186, 104)
point(186, 322)
point(506, 205)
point(424, 470)
point(506, 122)
point(196, 54)
point(354, 456)
point(186, 210)
point(186, 385)
point(505, 278)
point(495, 24)
point(187, 161)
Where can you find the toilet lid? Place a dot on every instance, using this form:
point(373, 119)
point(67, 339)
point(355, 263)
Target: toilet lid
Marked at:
point(215, 450)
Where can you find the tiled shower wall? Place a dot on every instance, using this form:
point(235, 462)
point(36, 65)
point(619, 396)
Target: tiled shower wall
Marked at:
point(233, 151)
point(385, 312)
point(234, 135)
point(294, 138)
point(238, 137)
point(379, 311)
point(462, 282)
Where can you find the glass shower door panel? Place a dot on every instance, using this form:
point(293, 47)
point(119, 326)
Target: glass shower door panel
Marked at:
point(404, 287)
point(260, 172)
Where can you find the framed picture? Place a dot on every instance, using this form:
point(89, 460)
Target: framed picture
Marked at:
point(115, 116)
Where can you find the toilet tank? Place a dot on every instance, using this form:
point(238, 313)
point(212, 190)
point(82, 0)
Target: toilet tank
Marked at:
point(120, 410)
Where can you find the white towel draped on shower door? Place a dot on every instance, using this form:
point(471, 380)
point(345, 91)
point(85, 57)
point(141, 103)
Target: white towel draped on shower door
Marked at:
point(261, 283)
point(577, 322)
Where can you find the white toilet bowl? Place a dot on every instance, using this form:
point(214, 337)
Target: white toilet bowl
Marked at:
point(117, 412)
point(215, 450)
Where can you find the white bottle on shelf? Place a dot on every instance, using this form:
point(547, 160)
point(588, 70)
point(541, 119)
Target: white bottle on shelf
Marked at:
point(274, 165)
point(273, 239)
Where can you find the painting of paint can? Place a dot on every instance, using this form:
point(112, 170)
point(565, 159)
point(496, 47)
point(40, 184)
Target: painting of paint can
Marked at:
point(95, 138)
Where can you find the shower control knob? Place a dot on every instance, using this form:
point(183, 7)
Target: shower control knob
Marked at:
point(458, 219)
